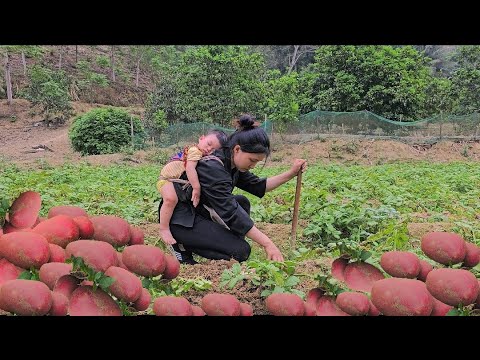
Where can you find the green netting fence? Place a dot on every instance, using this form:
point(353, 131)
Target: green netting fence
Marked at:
point(329, 123)
point(368, 123)
point(182, 133)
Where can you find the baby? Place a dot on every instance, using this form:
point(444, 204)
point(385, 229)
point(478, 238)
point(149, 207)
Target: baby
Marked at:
point(184, 161)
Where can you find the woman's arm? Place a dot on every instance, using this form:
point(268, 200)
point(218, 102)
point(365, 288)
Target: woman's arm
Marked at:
point(275, 181)
point(263, 240)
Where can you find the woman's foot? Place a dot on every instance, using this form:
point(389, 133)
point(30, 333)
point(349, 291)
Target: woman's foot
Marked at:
point(183, 256)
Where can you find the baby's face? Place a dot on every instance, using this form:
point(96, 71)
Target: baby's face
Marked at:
point(208, 143)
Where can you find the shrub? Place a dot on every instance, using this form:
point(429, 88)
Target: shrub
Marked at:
point(104, 131)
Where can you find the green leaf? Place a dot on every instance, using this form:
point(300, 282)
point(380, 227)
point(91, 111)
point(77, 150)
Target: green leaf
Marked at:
point(105, 282)
point(146, 283)
point(453, 312)
point(364, 255)
point(265, 293)
point(232, 283)
point(292, 281)
point(26, 275)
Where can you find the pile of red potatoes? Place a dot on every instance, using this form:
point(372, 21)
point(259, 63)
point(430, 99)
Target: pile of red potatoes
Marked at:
point(407, 286)
point(107, 244)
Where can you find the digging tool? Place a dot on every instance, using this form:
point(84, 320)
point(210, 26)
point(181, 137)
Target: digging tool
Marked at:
point(293, 238)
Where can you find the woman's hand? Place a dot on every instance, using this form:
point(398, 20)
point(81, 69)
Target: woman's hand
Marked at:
point(273, 253)
point(298, 164)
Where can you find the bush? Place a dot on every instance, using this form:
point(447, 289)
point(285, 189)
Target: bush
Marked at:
point(105, 131)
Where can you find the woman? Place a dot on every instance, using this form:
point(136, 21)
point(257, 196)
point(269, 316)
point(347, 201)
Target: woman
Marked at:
point(217, 227)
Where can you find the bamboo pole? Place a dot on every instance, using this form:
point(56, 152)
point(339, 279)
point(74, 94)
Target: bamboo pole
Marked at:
point(293, 237)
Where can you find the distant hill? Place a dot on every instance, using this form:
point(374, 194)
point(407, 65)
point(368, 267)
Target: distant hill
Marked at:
point(441, 55)
point(121, 92)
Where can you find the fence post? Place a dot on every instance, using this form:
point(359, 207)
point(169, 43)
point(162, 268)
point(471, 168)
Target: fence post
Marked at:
point(131, 131)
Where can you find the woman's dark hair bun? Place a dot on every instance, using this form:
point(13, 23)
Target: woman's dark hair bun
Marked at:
point(246, 122)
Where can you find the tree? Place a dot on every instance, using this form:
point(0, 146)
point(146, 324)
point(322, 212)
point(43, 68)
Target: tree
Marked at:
point(282, 99)
point(298, 51)
point(141, 54)
point(385, 80)
point(8, 79)
point(466, 80)
point(112, 62)
point(212, 84)
point(48, 90)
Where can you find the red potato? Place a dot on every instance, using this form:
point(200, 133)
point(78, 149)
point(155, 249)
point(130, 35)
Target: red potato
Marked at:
point(477, 303)
point(327, 306)
point(143, 302)
point(338, 268)
point(25, 249)
point(25, 297)
point(313, 296)
point(443, 247)
point(120, 262)
point(9, 228)
point(59, 230)
point(85, 227)
point(111, 229)
point(57, 253)
point(66, 285)
point(453, 286)
point(88, 302)
point(50, 272)
point(68, 210)
point(215, 304)
point(472, 257)
point(59, 305)
point(98, 255)
point(8, 271)
point(361, 276)
point(127, 286)
point(172, 306)
point(282, 304)
point(137, 236)
point(310, 309)
point(145, 260)
point(172, 267)
point(24, 210)
point(246, 309)
point(197, 311)
point(401, 264)
point(401, 297)
point(39, 220)
point(439, 308)
point(353, 303)
point(425, 268)
point(373, 311)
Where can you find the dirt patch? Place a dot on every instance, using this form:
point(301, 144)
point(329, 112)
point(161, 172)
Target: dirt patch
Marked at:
point(27, 142)
point(417, 230)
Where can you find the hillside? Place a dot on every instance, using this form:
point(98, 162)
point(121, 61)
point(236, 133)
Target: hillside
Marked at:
point(121, 92)
point(124, 90)
point(27, 142)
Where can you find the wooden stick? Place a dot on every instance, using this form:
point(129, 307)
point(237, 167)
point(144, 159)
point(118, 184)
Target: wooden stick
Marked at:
point(293, 238)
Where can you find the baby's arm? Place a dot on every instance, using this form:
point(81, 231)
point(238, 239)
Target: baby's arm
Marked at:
point(193, 178)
